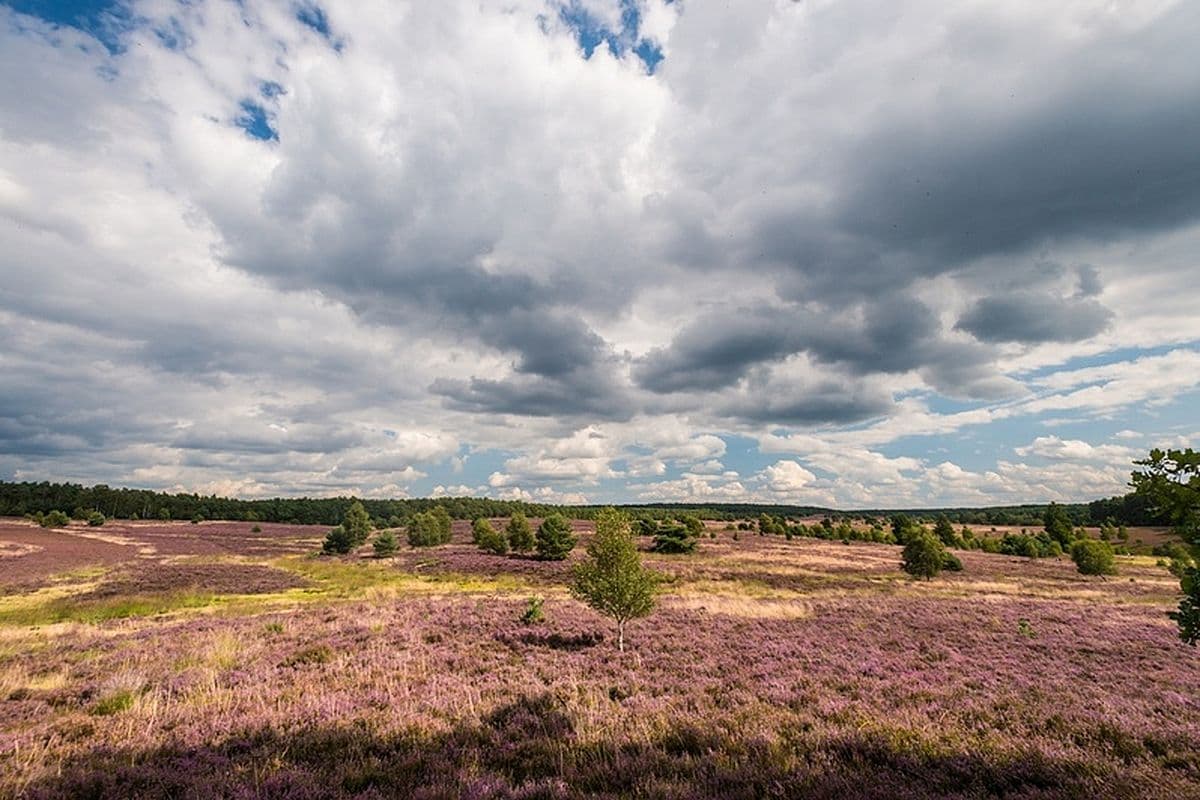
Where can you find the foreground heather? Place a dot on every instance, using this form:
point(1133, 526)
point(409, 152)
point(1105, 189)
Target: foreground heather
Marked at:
point(451, 697)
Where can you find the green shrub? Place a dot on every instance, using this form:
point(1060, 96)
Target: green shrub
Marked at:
point(385, 544)
point(54, 519)
point(533, 612)
point(674, 538)
point(164, 513)
point(256, 529)
point(492, 541)
point(924, 555)
point(1093, 557)
point(554, 540)
point(197, 519)
point(114, 703)
point(951, 562)
point(95, 519)
point(314, 654)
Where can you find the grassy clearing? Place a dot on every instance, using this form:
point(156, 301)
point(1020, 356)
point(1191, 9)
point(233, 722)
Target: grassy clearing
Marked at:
point(331, 581)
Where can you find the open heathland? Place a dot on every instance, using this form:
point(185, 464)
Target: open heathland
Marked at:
point(213, 661)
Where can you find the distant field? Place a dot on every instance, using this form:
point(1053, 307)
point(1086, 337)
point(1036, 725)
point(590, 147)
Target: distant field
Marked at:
point(205, 661)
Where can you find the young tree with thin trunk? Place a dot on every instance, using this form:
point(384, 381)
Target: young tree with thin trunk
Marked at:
point(612, 579)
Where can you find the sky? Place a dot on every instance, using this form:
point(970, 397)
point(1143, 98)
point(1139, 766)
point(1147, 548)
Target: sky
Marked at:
point(851, 254)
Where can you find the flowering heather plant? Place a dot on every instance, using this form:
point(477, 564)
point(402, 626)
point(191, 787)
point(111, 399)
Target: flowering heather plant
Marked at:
point(770, 669)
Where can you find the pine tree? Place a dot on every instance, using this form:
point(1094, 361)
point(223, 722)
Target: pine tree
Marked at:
point(520, 534)
point(357, 523)
point(554, 538)
point(385, 544)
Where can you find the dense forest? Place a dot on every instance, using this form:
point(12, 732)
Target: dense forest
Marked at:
point(17, 499)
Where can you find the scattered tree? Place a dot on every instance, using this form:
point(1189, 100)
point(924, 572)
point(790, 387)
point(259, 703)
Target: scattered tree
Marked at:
point(612, 579)
point(1058, 525)
point(1170, 480)
point(924, 555)
point(339, 541)
point(554, 539)
point(385, 544)
point(95, 519)
point(520, 534)
point(481, 528)
point(492, 541)
point(1093, 557)
point(357, 523)
point(441, 518)
point(427, 530)
point(944, 530)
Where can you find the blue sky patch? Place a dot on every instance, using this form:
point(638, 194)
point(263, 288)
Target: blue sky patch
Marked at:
point(106, 20)
point(254, 121)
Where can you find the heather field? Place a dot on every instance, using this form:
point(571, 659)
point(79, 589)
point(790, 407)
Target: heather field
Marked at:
point(212, 661)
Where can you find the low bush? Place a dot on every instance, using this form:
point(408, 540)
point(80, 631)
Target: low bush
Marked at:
point(385, 544)
point(1093, 557)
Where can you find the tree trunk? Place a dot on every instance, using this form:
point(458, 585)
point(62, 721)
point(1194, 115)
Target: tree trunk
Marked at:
point(621, 636)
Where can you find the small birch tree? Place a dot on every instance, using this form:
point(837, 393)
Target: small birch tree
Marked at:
point(612, 579)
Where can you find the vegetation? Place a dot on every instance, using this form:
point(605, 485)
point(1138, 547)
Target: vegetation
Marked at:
point(385, 544)
point(492, 541)
point(924, 556)
point(554, 540)
point(533, 613)
point(773, 669)
point(674, 537)
point(429, 528)
point(20, 498)
point(612, 579)
point(95, 519)
point(1168, 481)
point(1093, 557)
point(480, 528)
point(338, 541)
point(519, 534)
point(357, 523)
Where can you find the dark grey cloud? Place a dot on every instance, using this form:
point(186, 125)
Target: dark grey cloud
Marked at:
point(894, 335)
point(592, 391)
point(1034, 318)
point(826, 403)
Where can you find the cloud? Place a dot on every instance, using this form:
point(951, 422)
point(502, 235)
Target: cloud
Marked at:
point(1031, 318)
point(240, 243)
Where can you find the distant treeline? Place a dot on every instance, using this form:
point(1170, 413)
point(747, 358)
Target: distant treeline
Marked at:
point(18, 499)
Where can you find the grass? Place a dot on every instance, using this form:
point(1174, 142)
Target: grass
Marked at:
point(332, 581)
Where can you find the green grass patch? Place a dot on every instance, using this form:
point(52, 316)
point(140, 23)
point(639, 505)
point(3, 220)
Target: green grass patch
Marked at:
point(114, 703)
point(331, 580)
point(83, 609)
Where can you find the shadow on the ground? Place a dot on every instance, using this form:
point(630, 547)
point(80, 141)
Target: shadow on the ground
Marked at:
point(529, 749)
